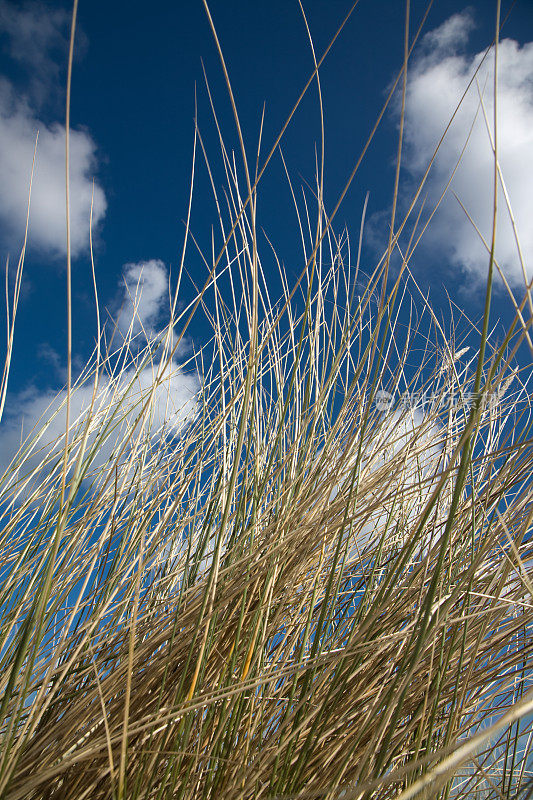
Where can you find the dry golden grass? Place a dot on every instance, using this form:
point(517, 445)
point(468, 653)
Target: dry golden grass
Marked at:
point(282, 589)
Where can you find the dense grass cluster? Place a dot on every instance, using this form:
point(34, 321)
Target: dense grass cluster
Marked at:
point(257, 574)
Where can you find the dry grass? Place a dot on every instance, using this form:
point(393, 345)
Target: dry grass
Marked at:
point(281, 589)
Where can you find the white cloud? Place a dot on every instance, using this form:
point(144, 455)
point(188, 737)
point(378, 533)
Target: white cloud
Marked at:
point(31, 411)
point(145, 291)
point(34, 36)
point(145, 287)
point(437, 81)
point(47, 229)
point(449, 37)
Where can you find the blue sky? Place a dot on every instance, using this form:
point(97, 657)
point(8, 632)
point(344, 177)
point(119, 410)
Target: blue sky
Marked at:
point(133, 92)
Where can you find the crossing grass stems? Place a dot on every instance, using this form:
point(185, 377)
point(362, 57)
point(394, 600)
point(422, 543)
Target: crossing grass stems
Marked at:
point(281, 589)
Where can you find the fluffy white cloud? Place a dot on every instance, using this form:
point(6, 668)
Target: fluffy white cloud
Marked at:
point(437, 81)
point(43, 412)
point(145, 292)
point(33, 411)
point(34, 36)
point(47, 229)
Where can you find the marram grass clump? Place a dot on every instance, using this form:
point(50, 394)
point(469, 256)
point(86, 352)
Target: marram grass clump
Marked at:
point(256, 573)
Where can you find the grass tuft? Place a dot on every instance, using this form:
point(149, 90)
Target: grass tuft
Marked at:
point(257, 573)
